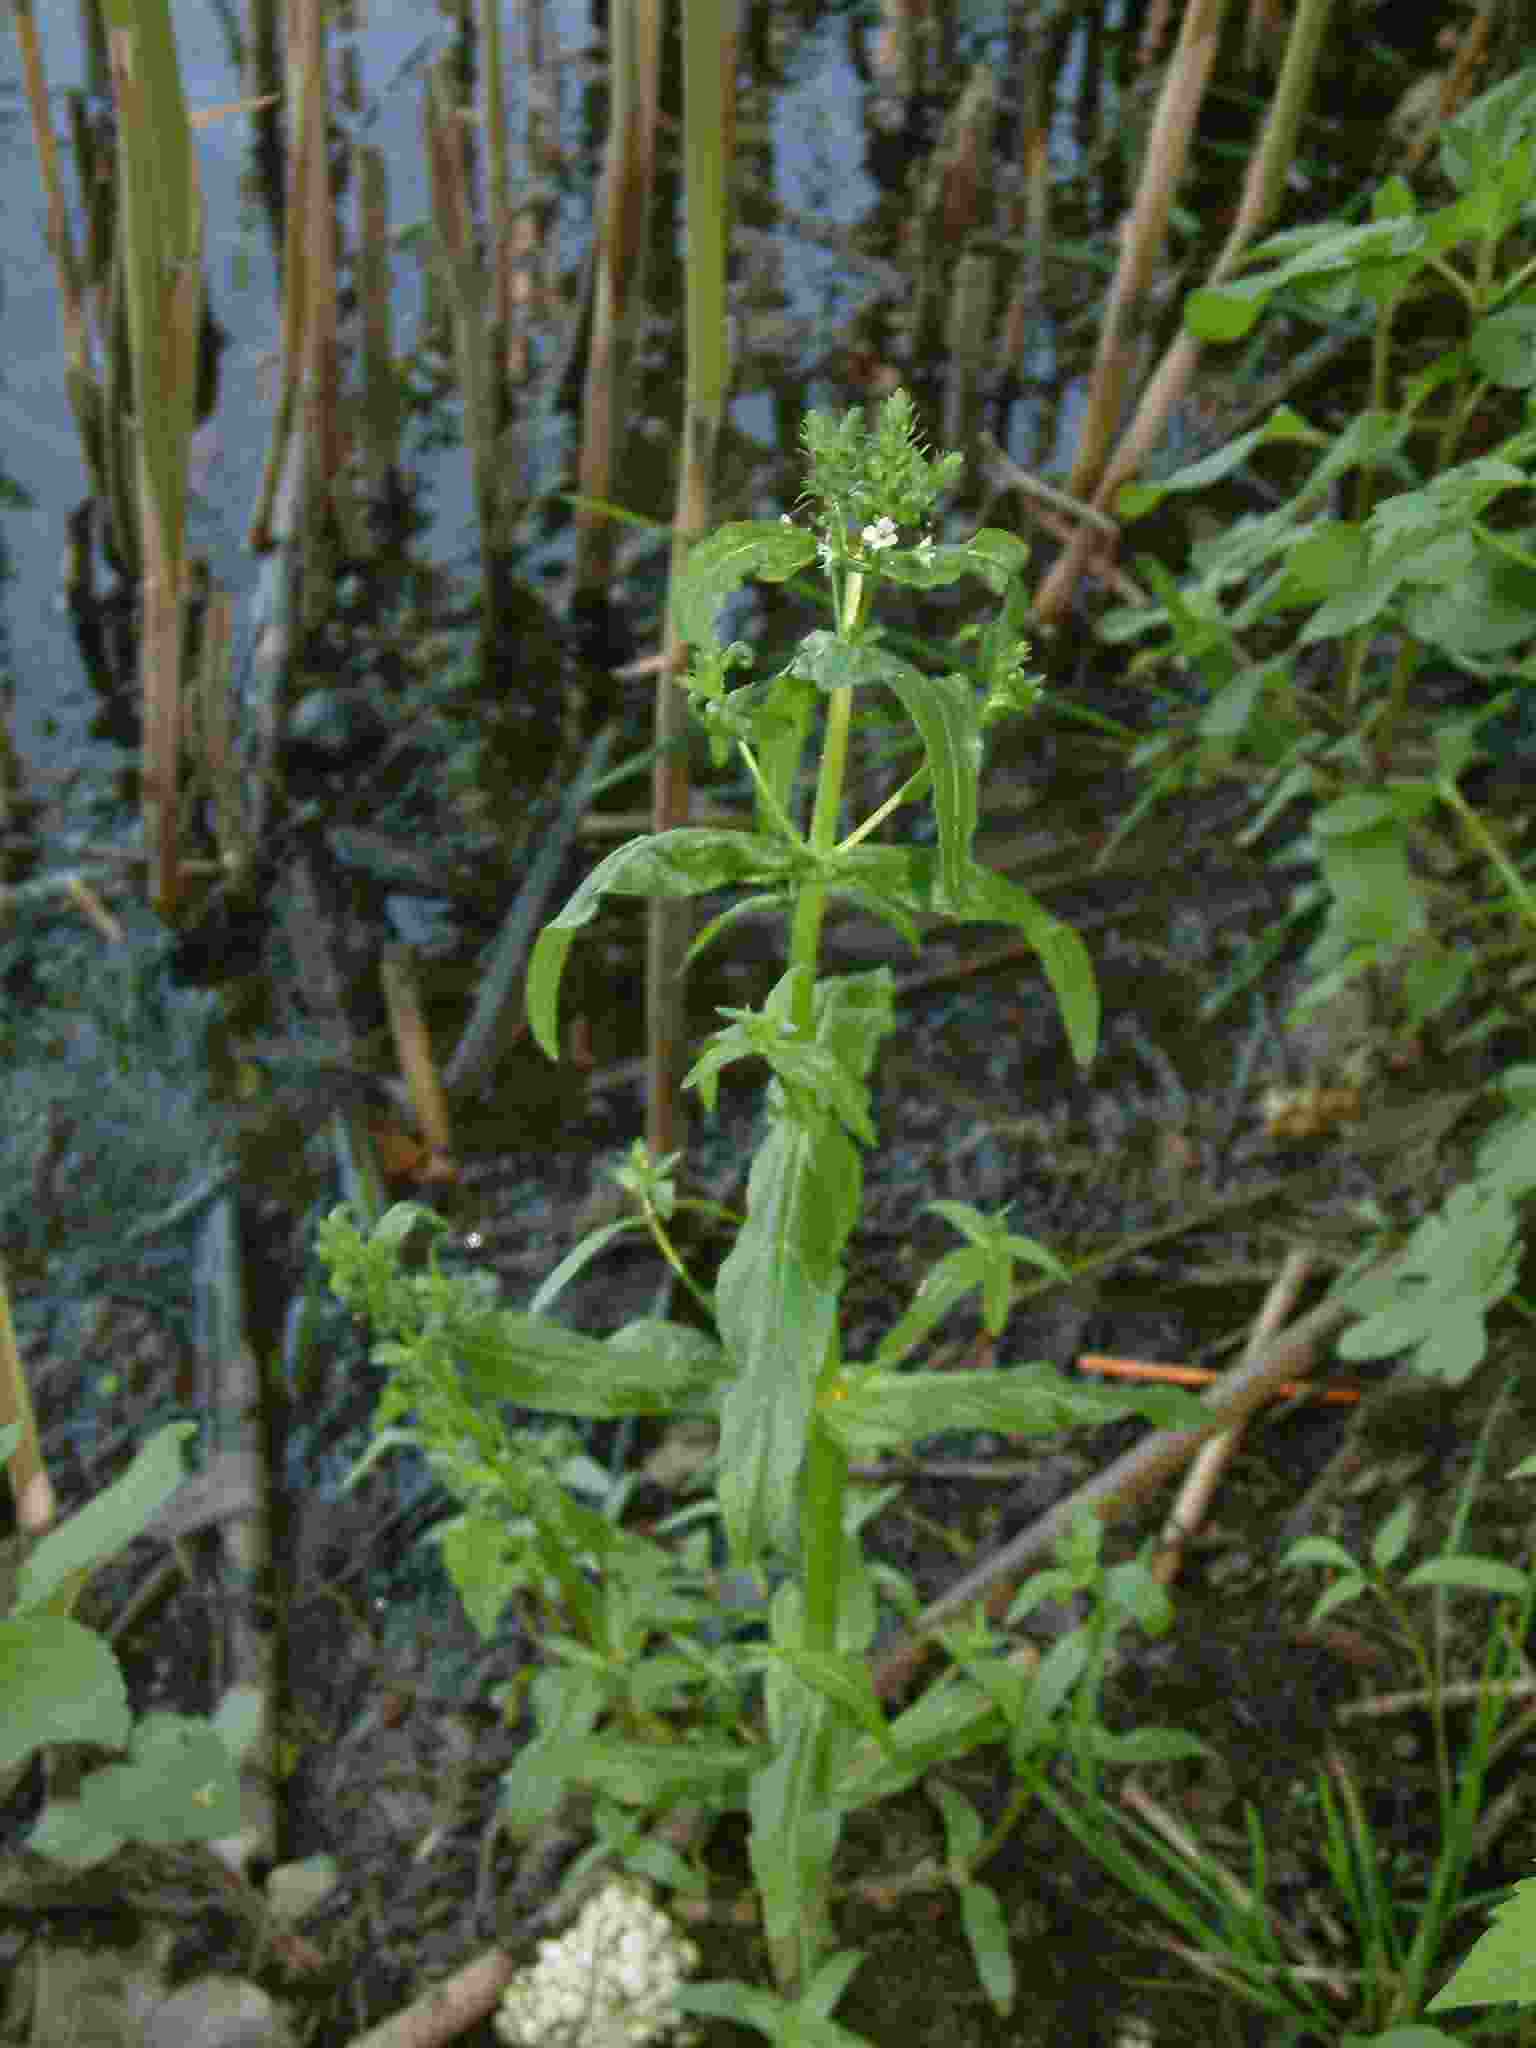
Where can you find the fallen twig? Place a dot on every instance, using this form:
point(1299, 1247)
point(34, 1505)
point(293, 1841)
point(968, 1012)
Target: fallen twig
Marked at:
point(448, 2009)
point(1214, 1456)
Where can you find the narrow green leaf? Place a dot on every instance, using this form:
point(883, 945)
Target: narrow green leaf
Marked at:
point(963, 1829)
point(687, 862)
point(948, 719)
point(943, 1285)
point(881, 1409)
point(1066, 960)
point(795, 1827)
point(1146, 1746)
point(1472, 1575)
point(106, 1525)
point(577, 1259)
point(1320, 1550)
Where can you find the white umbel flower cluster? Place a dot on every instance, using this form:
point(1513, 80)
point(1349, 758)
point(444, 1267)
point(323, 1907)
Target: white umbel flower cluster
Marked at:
point(608, 1982)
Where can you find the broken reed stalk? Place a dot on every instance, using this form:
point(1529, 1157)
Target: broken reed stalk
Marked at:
point(467, 289)
point(161, 270)
point(1217, 1452)
point(234, 1396)
point(522, 278)
point(311, 295)
point(32, 1492)
point(620, 262)
point(1032, 93)
point(1262, 187)
point(77, 343)
point(1142, 238)
point(498, 185)
point(380, 411)
point(709, 111)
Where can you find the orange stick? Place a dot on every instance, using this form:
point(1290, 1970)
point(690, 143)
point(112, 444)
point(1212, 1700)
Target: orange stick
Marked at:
point(1201, 1376)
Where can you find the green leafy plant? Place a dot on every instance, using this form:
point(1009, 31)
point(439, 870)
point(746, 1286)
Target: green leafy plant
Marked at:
point(1397, 545)
point(1461, 1262)
point(651, 1699)
point(1233, 1931)
point(59, 1682)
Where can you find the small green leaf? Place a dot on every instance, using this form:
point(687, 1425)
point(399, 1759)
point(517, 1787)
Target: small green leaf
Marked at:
point(1320, 1550)
point(963, 1829)
point(576, 1261)
point(59, 1682)
point(1146, 1746)
point(1226, 312)
point(1391, 1539)
point(687, 862)
point(1339, 1595)
point(1503, 346)
point(986, 1929)
point(943, 1285)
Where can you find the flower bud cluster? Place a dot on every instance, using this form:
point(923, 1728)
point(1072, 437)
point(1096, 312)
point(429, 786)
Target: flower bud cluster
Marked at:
point(608, 1982)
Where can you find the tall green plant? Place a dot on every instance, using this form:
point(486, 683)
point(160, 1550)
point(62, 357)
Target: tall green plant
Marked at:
point(1404, 542)
point(643, 1702)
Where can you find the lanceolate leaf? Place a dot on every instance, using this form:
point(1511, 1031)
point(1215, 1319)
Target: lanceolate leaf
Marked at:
point(540, 1364)
point(776, 1302)
point(1062, 954)
point(777, 1294)
point(881, 1409)
point(948, 719)
point(688, 862)
point(945, 711)
point(794, 1825)
point(908, 879)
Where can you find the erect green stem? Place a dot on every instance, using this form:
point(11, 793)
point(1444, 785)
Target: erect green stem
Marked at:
point(826, 1463)
point(826, 1467)
point(821, 1521)
point(810, 910)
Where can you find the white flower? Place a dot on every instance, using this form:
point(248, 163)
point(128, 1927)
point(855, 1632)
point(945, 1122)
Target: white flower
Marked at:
point(925, 549)
point(608, 1982)
point(882, 534)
